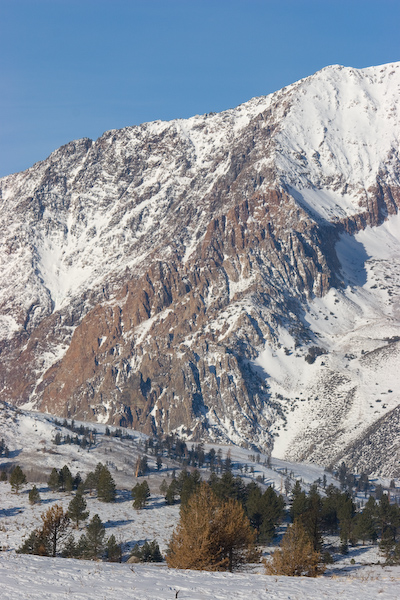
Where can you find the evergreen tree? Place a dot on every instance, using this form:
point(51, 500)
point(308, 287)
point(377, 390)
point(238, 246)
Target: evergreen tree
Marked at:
point(34, 496)
point(77, 509)
point(149, 552)
point(389, 521)
point(308, 511)
point(345, 512)
point(36, 543)
point(365, 526)
point(71, 548)
point(210, 458)
point(142, 466)
point(54, 480)
point(188, 484)
point(92, 542)
point(3, 476)
point(140, 495)
point(228, 464)
point(17, 479)
point(272, 511)
point(105, 486)
point(329, 516)
point(299, 502)
point(90, 482)
point(66, 479)
point(228, 487)
point(113, 550)
point(78, 483)
point(254, 508)
point(4, 451)
point(378, 491)
point(164, 487)
point(312, 518)
point(171, 493)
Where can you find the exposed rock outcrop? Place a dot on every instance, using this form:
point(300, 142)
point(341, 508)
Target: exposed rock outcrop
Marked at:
point(144, 274)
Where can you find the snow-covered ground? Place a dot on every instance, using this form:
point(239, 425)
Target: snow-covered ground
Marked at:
point(355, 327)
point(29, 438)
point(25, 577)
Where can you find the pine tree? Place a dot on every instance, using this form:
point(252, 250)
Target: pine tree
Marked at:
point(329, 516)
point(113, 550)
point(296, 555)
point(299, 502)
point(36, 543)
point(265, 510)
point(91, 542)
point(188, 484)
point(17, 479)
point(171, 493)
point(70, 548)
point(212, 534)
point(140, 495)
point(311, 520)
point(105, 486)
point(254, 507)
point(164, 487)
point(55, 527)
point(389, 521)
point(90, 482)
point(345, 512)
point(34, 496)
point(142, 466)
point(77, 509)
point(365, 527)
point(66, 479)
point(54, 480)
point(149, 552)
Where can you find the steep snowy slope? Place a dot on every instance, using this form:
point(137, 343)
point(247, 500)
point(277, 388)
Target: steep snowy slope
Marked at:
point(182, 275)
point(355, 384)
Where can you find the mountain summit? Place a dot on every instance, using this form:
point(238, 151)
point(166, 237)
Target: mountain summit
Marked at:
point(231, 276)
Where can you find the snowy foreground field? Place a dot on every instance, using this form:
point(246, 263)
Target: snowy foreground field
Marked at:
point(356, 576)
point(31, 577)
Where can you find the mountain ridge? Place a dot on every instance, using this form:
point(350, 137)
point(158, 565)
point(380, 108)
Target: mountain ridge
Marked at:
point(156, 264)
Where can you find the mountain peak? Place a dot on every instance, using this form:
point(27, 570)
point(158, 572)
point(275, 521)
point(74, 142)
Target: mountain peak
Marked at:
point(170, 276)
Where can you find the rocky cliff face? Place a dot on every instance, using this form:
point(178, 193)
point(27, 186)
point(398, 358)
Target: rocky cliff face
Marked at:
point(165, 277)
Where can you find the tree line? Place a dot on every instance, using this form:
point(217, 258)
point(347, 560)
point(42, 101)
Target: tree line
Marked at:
point(224, 518)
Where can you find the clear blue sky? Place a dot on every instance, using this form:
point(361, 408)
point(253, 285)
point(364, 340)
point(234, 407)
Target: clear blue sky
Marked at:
point(76, 68)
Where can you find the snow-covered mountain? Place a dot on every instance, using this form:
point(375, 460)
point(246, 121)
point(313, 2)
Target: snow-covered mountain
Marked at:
point(230, 276)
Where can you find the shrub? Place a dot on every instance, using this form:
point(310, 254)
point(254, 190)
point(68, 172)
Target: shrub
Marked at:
point(34, 496)
point(296, 555)
point(149, 552)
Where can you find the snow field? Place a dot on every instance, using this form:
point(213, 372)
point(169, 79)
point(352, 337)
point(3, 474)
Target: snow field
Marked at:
point(32, 577)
